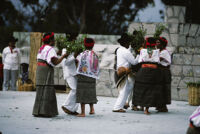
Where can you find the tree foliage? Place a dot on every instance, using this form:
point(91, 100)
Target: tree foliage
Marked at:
point(65, 16)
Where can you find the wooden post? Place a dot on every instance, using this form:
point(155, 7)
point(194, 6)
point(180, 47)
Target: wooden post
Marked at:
point(35, 43)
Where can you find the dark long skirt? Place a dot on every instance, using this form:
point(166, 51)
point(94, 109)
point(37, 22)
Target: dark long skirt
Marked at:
point(45, 101)
point(86, 90)
point(166, 85)
point(148, 88)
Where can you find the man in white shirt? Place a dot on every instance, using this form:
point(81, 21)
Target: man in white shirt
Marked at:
point(124, 60)
point(11, 60)
point(69, 72)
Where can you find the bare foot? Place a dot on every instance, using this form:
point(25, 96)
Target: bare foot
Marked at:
point(146, 112)
point(92, 112)
point(80, 115)
point(135, 108)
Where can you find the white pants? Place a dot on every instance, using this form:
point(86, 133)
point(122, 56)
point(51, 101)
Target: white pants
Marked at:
point(70, 102)
point(124, 93)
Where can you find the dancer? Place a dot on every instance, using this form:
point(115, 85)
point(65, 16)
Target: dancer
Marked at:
point(148, 85)
point(124, 61)
point(45, 102)
point(88, 72)
point(194, 127)
point(69, 72)
point(165, 61)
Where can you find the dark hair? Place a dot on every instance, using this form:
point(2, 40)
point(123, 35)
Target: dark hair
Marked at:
point(72, 36)
point(125, 39)
point(163, 42)
point(150, 42)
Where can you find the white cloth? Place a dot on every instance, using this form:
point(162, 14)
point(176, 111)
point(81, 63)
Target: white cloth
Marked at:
point(69, 74)
point(125, 58)
point(166, 56)
point(145, 57)
point(70, 102)
point(88, 64)
point(46, 53)
point(124, 93)
point(11, 60)
point(195, 117)
point(68, 65)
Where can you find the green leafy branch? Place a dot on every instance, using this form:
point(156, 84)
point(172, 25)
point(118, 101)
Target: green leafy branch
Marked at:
point(159, 29)
point(193, 84)
point(71, 46)
point(138, 38)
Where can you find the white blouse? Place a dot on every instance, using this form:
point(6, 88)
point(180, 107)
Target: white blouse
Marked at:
point(46, 53)
point(145, 57)
point(166, 56)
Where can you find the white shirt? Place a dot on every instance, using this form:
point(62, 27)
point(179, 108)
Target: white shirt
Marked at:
point(46, 54)
point(166, 56)
point(11, 60)
point(68, 65)
point(125, 58)
point(145, 57)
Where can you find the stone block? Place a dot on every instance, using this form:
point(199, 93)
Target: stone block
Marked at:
point(104, 75)
point(191, 41)
point(197, 50)
point(175, 81)
point(169, 11)
point(174, 39)
point(174, 93)
point(186, 50)
point(176, 70)
point(100, 47)
point(184, 80)
point(196, 60)
point(183, 94)
point(134, 26)
point(188, 71)
point(186, 29)
point(177, 59)
point(187, 59)
point(181, 40)
point(196, 70)
point(198, 32)
point(173, 19)
point(197, 43)
point(173, 28)
point(193, 30)
point(103, 89)
point(150, 28)
point(181, 28)
point(181, 17)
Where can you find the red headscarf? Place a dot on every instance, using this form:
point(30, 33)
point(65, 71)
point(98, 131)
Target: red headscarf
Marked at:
point(86, 44)
point(47, 37)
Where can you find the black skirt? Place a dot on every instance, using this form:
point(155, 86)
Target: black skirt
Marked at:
point(148, 88)
point(86, 90)
point(45, 101)
point(166, 85)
